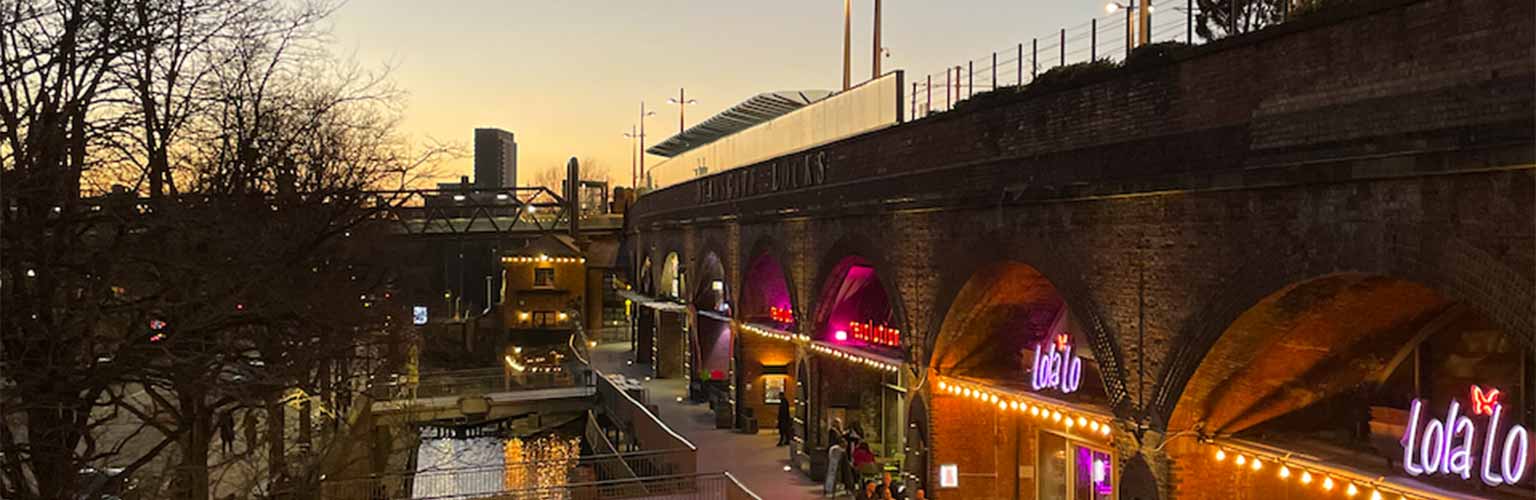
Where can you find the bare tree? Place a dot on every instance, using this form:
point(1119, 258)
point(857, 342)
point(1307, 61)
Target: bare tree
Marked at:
point(238, 280)
point(56, 58)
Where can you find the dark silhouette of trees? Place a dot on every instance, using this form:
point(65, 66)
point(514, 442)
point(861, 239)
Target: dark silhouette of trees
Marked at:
point(1221, 18)
point(233, 268)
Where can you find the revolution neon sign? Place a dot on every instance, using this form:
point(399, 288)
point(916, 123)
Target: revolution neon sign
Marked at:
point(1056, 367)
point(1445, 446)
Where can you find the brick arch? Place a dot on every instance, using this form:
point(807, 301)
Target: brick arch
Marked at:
point(828, 268)
point(645, 277)
point(1450, 268)
point(766, 247)
point(671, 263)
point(965, 261)
point(699, 272)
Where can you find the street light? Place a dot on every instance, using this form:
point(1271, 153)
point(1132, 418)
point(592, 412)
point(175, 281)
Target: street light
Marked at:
point(1129, 9)
point(634, 153)
point(640, 145)
point(682, 101)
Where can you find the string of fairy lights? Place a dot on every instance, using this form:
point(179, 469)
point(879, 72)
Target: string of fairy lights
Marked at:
point(874, 362)
point(1068, 418)
point(775, 334)
point(1329, 480)
point(523, 259)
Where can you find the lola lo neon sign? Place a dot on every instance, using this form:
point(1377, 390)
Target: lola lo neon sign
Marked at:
point(1056, 367)
point(1437, 454)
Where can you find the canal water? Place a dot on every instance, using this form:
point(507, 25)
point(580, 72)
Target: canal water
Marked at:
point(522, 458)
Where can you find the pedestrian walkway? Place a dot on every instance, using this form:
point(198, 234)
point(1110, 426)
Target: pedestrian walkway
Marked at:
point(753, 459)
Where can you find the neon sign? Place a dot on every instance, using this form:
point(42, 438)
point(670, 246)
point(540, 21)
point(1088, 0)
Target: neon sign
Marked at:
point(875, 334)
point(1056, 367)
point(781, 315)
point(1441, 452)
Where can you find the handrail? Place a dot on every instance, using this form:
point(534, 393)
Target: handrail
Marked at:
point(604, 381)
point(741, 487)
point(643, 482)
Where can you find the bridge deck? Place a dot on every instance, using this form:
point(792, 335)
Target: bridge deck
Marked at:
point(447, 406)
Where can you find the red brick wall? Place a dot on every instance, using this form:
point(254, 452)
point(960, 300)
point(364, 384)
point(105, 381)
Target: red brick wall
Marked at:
point(757, 351)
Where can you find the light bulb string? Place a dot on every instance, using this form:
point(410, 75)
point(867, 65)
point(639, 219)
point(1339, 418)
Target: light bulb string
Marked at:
point(1297, 464)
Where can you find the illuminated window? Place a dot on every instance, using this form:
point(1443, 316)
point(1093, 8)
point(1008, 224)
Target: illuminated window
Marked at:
point(1069, 470)
point(543, 319)
point(544, 277)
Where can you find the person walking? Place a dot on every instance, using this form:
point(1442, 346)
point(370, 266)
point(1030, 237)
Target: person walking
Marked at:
point(786, 425)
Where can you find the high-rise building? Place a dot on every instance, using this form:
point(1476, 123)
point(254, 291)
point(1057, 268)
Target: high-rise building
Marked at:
point(495, 158)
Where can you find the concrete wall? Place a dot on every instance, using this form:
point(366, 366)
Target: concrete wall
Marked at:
point(872, 105)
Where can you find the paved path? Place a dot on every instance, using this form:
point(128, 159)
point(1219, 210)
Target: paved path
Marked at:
point(753, 459)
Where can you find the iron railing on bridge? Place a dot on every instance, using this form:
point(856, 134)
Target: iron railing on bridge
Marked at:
point(1099, 39)
point(706, 486)
point(486, 381)
point(467, 482)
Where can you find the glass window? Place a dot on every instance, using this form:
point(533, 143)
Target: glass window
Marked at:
point(1069, 470)
point(1053, 467)
point(1092, 474)
point(544, 277)
point(543, 319)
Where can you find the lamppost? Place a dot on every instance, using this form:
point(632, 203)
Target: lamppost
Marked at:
point(875, 63)
point(682, 101)
point(640, 139)
point(1130, 37)
point(634, 153)
point(847, 43)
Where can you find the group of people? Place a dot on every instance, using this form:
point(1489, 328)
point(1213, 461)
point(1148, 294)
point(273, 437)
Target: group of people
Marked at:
point(850, 461)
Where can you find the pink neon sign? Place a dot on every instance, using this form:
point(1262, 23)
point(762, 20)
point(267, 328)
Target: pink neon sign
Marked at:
point(1056, 367)
point(1441, 452)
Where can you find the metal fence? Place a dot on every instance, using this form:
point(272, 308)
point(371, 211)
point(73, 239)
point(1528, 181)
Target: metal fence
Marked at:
point(474, 382)
point(1099, 39)
point(478, 482)
point(709, 486)
point(642, 429)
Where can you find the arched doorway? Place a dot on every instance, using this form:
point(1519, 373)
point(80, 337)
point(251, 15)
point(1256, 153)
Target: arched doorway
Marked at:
point(766, 376)
point(712, 339)
point(1364, 383)
point(856, 376)
point(1018, 389)
point(669, 280)
point(642, 319)
point(670, 351)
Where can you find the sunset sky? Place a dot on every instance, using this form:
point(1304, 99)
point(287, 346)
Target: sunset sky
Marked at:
point(567, 76)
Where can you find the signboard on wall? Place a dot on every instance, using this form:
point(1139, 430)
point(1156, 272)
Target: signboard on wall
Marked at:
point(1450, 445)
point(1055, 367)
point(949, 476)
point(419, 315)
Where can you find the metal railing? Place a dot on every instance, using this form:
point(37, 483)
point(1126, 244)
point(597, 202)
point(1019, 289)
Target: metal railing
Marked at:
point(708, 486)
point(1100, 39)
point(494, 380)
point(493, 481)
point(643, 428)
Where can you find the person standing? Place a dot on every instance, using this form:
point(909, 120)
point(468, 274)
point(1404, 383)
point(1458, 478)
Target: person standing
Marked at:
point(835, 453)
point(227, 431)
point(786, 425)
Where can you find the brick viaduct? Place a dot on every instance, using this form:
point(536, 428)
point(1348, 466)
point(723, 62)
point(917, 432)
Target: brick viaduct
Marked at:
point(1163, 200)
